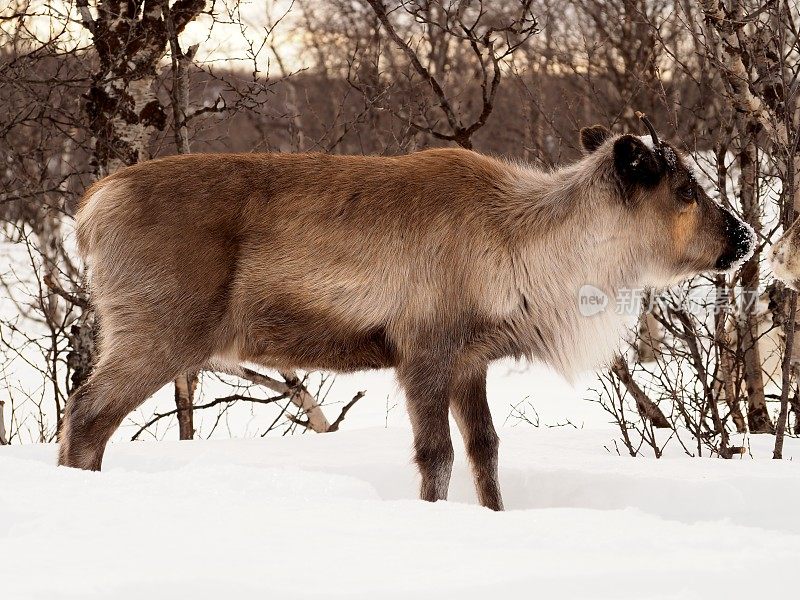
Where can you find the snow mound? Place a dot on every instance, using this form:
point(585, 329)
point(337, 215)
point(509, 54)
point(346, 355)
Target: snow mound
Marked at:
point(335, 516)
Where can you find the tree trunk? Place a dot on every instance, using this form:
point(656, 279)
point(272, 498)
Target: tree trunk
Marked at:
point(758, 418)
point(80, 358)
point(122, 109)
point(122, 106)
point(179, 94)
point(650, 338)
point(121, 103)
point(186, 383)
point(185, 387)
point(727, 388)
point(303, 399)
point(3, 440)
point(789, 364)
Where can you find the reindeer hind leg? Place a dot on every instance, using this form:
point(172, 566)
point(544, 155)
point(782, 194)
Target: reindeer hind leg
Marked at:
point(127, 373)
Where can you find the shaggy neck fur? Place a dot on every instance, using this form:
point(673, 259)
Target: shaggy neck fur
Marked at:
point(576, 207)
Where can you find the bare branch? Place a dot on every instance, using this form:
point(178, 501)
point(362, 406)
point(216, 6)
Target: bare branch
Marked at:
point(345, 409)
point(54, 287)
point(647, 408)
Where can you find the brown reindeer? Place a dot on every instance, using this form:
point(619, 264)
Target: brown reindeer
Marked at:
point(435, 263)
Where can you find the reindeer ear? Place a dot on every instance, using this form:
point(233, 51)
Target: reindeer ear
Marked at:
point(593, 137)
point(636, 162)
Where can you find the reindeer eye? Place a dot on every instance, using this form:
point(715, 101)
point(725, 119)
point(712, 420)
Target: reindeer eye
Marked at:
point(687, 193)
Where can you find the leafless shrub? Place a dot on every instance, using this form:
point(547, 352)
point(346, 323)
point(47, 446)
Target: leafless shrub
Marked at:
point(513, 77)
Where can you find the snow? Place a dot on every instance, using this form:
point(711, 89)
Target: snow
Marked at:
point(647, 140)
point(665, 151)
point(669, 156)
point(335, 516)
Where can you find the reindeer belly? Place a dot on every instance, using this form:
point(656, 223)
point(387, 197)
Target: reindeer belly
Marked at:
point(286, 337)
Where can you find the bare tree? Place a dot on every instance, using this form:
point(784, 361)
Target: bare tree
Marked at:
point(491, 36)
point(95, 102)
point(753, 44)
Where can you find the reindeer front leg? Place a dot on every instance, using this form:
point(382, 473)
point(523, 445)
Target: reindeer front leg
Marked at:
point(426, 379)
point(471, 412)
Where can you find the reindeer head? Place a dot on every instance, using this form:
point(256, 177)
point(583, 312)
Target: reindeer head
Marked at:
point(785, 257)
point(682, 231)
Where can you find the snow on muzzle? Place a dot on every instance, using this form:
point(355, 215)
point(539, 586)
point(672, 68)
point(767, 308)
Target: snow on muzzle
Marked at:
point(739, 245)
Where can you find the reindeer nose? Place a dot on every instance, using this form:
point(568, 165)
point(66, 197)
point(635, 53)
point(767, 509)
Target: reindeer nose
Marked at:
point(739, 244)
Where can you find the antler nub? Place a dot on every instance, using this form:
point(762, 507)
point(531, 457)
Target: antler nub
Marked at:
point(643, 117)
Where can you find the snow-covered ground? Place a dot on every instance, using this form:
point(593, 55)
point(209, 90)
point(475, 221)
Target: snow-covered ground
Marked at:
point(335, 516)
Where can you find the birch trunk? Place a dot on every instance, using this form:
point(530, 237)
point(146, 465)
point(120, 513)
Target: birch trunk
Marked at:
point(3, 439)
point(790, 361)
point(758, 418)
point(186, 383)
point(650, 338)
point(303, 399)
point(725, 386)
point(297, 393)
point(121, 108)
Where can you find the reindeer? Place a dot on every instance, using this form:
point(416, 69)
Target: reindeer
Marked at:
point(785, 257)
point(435, 264)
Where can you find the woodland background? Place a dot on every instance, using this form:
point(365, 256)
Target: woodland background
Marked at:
point(89, 86)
